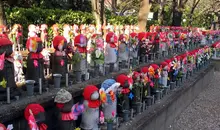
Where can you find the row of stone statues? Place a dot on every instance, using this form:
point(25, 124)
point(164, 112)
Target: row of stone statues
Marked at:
point(117, 97)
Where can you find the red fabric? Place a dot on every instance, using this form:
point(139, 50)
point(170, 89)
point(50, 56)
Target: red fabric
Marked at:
point(88, 91)
point(111, 38)
point(58, 40)
point(141, 36)
point(121, 79)
point(78, 38)
point(67, 116)
point(163, 64)
point(3, 36)
point(136, 74)
point(43, 126)
point(2, 126)
point(37, 39)
point(163, 36)
point(112, 45)
point(36, 56)
point(144, 70)
point(60, 105)
point(122, 37)
point(125, 91)
point(4, 41)
point(35, 108)
point(82, 49)
point(133, 35)
point(155, 66)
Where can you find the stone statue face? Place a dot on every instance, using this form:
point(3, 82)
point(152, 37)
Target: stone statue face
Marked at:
point(95, 96)
point(7, 49)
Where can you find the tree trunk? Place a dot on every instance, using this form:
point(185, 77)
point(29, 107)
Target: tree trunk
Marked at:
point(1, 13)
point(143, 15)
point(177, 14)
point(177, 18)
point(96, 11)
point(161, 13)
point(102, 13)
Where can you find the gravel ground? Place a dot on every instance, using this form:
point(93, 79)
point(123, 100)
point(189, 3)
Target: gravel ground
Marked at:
point(204, 112)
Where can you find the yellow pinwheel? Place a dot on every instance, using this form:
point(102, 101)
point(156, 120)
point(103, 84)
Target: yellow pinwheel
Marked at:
point(3, 83)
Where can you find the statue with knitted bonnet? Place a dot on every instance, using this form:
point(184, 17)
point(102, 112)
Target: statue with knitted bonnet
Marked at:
point(35, 116)
point(35, 60)
point(7, 79)
point(64, 104)
point(59, 64)
point(123, 51)
point(79, 57)
point(90, 117)
point(111, 51)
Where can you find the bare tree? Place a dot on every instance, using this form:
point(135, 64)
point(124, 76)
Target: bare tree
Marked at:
point(96, 11)
point(178, 8)
point(143, 15)
point(194, 5)
point(1, 13)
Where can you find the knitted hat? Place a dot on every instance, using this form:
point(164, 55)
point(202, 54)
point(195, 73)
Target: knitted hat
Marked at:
point(2, 127)
point(33, 44)
point(163, 64)
point(87, 93)
point(122, 79)
point(59, 42)
point(111, 38)
point(155, 66)
point(63, 96)
point(80, 40)
point(136, 75)
point(5, 41)
point(141, 36)
point(35, 108)
point(122, 37)
point(133, 35)
point(144, 70)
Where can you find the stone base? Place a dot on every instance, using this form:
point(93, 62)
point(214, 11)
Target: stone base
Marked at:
point(161, 115)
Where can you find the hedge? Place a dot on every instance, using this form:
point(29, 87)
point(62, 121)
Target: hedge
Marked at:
point(37, 16)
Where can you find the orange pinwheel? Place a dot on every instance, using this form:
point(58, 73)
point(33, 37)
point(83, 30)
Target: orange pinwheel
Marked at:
point(112, 95)
point(151, 71)
point(103, 97)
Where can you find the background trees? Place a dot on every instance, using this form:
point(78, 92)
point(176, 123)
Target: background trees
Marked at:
point(200, 13)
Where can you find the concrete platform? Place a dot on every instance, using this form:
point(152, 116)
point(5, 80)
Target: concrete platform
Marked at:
point(204, 112)
point(162, 114)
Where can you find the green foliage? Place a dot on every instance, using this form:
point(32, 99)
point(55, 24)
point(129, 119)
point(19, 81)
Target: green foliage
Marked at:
point(121, 20)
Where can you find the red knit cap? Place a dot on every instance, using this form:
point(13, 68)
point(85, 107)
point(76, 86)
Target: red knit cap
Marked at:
point(111, 38)
point(35, 108)
point(80, 39)
point(122, 37)
point(5, 41)
point(87, 93)
point(32, 44)
point(168, 61)
point(163, 64)
point(133, 35)
point(136, 74)
point(141, 36)
point(144, 70)
point(155, 66)
point(121, 79)
point(2, 127)
point(59, 42)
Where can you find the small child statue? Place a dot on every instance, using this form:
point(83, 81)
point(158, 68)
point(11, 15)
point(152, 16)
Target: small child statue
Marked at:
point(90, 117)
